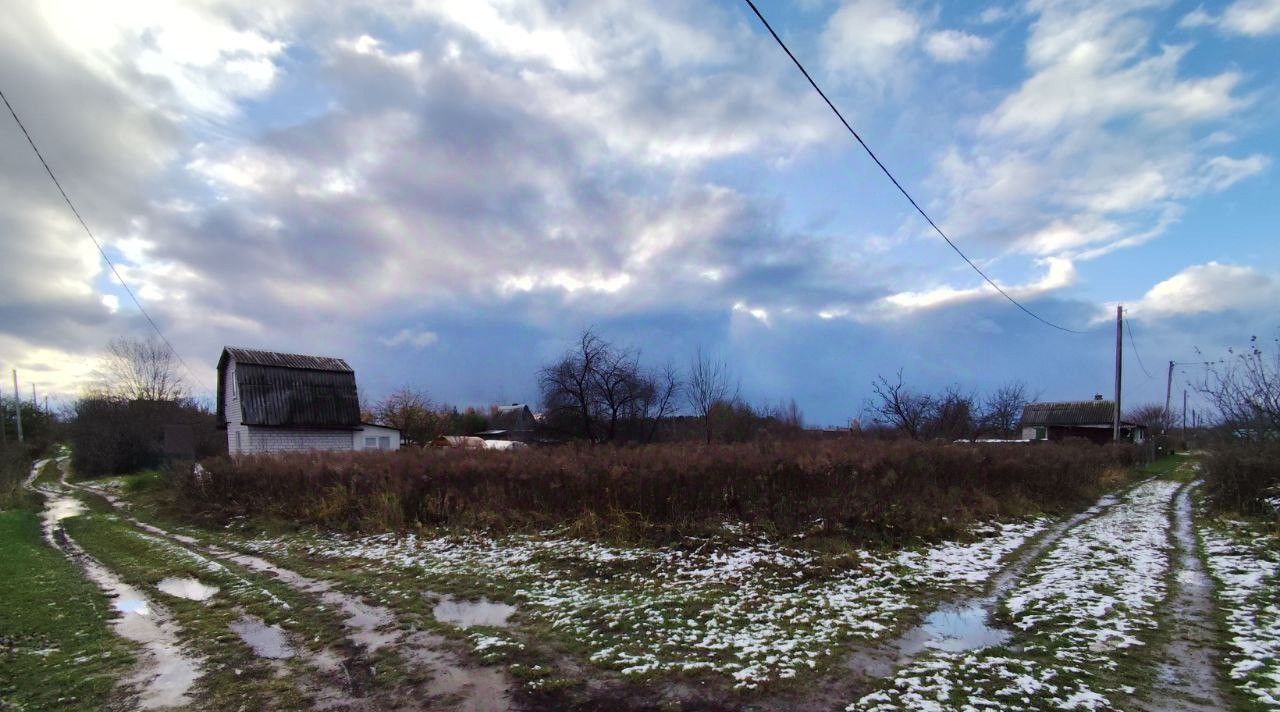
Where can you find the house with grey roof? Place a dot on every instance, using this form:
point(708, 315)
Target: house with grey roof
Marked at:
point(1091, 420)
point(271, 402)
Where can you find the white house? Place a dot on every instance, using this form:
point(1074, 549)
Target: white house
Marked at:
point(275, 402)
point(376, 437)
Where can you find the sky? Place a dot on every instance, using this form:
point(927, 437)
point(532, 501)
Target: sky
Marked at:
point(444, 193)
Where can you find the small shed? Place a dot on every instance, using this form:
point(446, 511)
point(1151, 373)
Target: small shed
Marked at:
point(270, 402)
point(1091, 420)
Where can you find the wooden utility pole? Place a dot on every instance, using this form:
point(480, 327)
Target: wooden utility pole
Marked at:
point(1168, 391)
point(1115, 414)
point(17, 405)
point(1184, 414)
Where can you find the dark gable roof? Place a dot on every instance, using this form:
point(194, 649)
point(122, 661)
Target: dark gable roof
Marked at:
point(1092, 412)
point(290, 390)
point(272, 358)
point(516, 416)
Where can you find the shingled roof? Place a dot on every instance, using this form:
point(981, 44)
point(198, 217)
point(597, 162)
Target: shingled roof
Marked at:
point(290, 390)
point(1092, 412)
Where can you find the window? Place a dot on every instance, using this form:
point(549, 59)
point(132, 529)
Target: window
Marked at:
point(238, 450)
point(1041, 432)
point(384, 442)
point(370, 443)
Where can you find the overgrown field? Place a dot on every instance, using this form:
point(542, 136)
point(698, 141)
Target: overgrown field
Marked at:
point(888, 491)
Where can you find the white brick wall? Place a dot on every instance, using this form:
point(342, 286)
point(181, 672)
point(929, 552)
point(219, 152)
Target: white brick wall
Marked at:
point(270, 440)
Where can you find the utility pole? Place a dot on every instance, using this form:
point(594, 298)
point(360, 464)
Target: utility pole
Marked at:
point(1184, 414)
point(17, 405)
point(34, 403)
point(1115, 415)
point(1168, 391)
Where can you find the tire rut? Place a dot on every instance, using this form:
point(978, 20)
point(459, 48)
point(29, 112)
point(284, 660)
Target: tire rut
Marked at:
point(371, 628)
point(1186, 677)
point(976, 614)
point(165, 671)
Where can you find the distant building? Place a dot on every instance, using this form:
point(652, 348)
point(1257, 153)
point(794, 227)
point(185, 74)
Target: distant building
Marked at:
point(376, 437)
point(272, 402)
point(1090, 420)
point(511, 422)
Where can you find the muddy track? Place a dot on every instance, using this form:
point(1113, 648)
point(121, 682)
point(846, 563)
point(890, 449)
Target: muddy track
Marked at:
point(454, 684)
point(165, 671)
point(966, 623)
point(1186, 676)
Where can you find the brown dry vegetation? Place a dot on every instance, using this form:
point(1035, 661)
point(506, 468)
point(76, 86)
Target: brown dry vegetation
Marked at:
point(868, 489)
point(1244, 478)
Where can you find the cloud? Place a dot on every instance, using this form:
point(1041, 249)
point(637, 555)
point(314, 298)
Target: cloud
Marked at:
point(954, 46)
point(418, 338)
point(1059, 273)
point(1250, 18)
point(866, 40)
point(1210, 288)
point(1094, 151)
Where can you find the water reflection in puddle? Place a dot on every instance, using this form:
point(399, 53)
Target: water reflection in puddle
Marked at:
point(136, 606)
point(187, 588)
point(465, 614)
point(959, 629)
point(267, 641)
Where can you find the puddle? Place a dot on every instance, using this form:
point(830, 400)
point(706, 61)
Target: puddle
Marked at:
point(57, 509)
point(187, 588)
point(164, 673)
point(465, 614)
point(267, 641)
point(469, 689)
point(959, 629)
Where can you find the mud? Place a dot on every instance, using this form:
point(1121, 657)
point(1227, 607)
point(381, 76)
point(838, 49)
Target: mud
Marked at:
point(165, 673)
point(266, 641)
point(1186, 677)
point(454, 685)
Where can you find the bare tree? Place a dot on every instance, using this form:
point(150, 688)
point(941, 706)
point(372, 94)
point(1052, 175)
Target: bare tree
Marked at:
point(896, 405)
point(1002, 408)
point(568, 385)
point(1246, 390)
point(142, 369)
point(710, 385)
point(1152, 415)
point(616, 384)
point(411, 412)
point(657, 398)
point(952, 415)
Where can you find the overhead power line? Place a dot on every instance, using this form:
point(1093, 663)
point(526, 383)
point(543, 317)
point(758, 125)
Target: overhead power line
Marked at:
point(1133, 344)
point(97, 244)
point(897, 184)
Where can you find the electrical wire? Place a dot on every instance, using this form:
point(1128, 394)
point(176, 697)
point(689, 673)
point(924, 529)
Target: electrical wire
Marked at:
point(97, 244)
point(1133, 344)
point(897, 184)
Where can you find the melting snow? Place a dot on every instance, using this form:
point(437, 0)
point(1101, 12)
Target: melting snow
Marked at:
point(1093, 593)
point(755, 611)
point(1246, 565)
